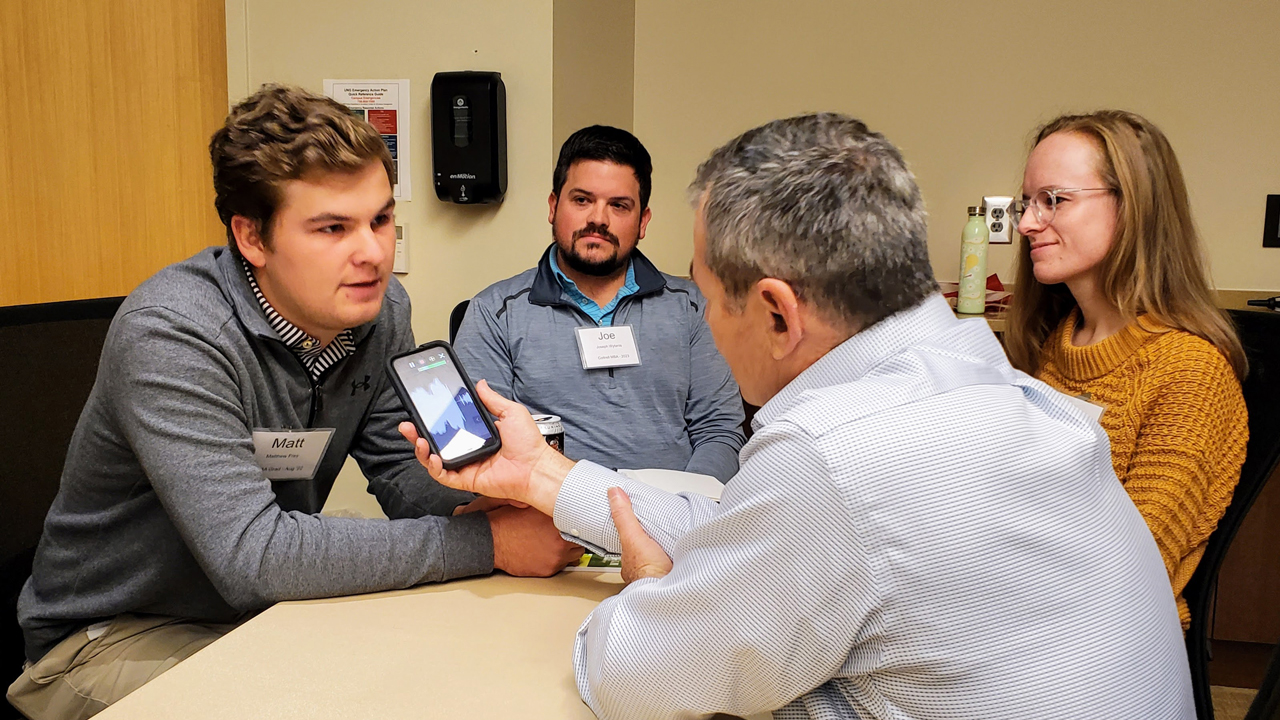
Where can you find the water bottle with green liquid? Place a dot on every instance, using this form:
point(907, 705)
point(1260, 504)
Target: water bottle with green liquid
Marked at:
point(973, 263)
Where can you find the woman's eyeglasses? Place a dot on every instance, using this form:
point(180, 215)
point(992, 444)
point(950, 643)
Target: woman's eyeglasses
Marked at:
point(1045, 204)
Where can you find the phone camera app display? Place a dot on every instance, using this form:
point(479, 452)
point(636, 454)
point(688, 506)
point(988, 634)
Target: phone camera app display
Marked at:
point(445, 406)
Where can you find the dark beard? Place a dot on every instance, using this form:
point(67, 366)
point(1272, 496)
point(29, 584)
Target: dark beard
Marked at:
point(587, 267)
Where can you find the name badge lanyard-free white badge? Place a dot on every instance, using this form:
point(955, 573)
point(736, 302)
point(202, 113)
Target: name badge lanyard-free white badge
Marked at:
point(290, 454)
point(601, 347)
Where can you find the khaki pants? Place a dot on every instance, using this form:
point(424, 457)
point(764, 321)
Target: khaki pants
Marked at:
point(96, 667)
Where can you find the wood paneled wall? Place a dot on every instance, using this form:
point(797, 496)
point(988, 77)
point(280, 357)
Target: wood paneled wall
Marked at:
point(106, 109)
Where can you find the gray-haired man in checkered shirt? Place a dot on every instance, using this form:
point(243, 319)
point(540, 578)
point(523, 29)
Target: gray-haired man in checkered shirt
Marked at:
point(917, 530)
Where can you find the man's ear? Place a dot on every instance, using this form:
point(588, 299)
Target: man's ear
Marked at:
point(249, 240)
point(644, 223)
point(782, 306)
point(552, 199)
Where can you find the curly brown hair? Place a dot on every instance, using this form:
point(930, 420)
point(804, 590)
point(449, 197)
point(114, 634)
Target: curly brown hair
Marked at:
point(283, 133)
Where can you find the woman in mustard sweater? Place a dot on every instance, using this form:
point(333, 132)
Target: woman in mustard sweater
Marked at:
point(1112, 305)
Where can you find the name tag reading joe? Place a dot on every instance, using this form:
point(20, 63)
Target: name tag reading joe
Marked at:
point(290, 454)
point(607, 347)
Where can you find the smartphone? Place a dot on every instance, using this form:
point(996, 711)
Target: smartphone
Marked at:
point(442, 401)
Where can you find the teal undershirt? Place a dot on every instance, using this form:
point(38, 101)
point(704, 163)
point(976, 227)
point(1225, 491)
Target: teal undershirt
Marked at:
point(602, 315)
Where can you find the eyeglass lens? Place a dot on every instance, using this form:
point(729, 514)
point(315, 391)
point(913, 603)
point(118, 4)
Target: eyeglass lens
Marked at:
point(1043, 204)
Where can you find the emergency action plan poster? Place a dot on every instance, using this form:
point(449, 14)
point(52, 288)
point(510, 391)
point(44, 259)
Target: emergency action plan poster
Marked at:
point(385, 105)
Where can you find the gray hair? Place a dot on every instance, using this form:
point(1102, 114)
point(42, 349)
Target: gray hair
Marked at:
point(826, 205)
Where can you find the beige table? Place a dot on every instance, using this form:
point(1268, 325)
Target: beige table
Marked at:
point(494, 647)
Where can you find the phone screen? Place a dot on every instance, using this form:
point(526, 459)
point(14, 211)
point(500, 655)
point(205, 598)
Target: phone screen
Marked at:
point(443, 402)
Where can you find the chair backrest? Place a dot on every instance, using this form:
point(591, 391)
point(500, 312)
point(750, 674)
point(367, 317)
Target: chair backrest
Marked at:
point(455, 318)
point(1260, 334)
point(48, 362)
point(1266, 704)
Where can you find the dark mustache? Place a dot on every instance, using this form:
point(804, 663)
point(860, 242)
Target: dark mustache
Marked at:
point(596, 229)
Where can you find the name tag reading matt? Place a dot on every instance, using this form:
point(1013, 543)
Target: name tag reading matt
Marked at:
point(607, 347)
point(290, 454)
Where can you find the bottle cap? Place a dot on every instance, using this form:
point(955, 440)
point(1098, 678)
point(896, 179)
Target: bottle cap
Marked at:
point(976, 210)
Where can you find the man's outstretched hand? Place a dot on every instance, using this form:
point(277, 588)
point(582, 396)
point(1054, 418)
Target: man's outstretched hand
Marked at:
point(526, 469)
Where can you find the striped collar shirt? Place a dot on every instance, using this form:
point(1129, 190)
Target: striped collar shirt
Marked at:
point(917, 531)
point(316, 357)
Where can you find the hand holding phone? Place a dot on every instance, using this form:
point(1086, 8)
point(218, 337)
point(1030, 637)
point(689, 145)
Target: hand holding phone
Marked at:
point(526, 469)
point(442, 402)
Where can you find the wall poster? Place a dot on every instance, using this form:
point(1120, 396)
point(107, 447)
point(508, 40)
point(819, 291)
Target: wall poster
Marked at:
point(385, 105)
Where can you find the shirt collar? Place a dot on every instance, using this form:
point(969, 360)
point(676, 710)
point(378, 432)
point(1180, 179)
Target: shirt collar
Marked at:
point(292, 335)
point(547, 290)
point(314, 354)
point(628, 288)
point(237, 285)
point(858, 355)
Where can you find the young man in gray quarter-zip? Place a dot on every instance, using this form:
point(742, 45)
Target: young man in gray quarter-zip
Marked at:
point(597, 335)
point(231, 389)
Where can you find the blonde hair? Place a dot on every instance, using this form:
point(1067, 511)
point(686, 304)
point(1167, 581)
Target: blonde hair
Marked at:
point(1155, 265)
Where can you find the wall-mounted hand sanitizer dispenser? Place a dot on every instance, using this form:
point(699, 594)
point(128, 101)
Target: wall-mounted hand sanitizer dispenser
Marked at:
point(469, 137)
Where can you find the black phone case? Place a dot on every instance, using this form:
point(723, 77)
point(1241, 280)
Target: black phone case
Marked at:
point(484, 451)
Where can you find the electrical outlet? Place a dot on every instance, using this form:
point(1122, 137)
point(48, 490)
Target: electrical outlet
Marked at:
point(999, 225)
point(401, 265)
point(1271, 225)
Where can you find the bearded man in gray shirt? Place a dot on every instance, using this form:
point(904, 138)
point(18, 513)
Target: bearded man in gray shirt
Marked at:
point(231, 389)
point(597, 335)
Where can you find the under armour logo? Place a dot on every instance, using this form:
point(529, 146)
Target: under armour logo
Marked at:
point(359, 385)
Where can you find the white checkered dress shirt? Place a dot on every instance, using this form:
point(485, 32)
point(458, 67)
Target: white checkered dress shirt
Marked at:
point(315, 356)
point(917, 531)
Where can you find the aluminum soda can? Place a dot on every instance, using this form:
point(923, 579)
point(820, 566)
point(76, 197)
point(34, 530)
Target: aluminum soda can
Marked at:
point(552, 430)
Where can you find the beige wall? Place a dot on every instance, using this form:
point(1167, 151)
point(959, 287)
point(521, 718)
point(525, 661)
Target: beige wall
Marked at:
point(1207, 73)
point(455, 251)
point(702, 72)
point(594, 65)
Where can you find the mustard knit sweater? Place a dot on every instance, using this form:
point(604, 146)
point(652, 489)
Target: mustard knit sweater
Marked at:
point(1177, 424)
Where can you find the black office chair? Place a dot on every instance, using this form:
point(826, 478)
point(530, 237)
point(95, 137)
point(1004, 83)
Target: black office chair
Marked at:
point(1260, 333)
point(48, 361)
point(455, 318)
point(1266, 704)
